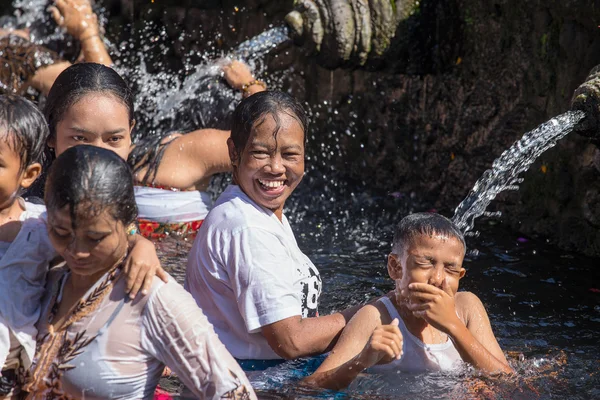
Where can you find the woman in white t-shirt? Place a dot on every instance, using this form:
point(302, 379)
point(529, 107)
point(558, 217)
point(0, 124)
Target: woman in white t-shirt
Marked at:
point(245, 269)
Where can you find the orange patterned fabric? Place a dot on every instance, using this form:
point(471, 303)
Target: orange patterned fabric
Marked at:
point(160, 230)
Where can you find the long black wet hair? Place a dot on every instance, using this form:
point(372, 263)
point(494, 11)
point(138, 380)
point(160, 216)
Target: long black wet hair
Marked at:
point(24, 129)
point(254, 109)
point(82, 79)
point(90, 180)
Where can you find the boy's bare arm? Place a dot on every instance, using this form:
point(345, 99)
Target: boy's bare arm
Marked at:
point(353, 352)
point(478, 324)
point(438, 308)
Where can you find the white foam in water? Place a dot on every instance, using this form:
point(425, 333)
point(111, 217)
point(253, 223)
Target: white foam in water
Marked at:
point(504, 174)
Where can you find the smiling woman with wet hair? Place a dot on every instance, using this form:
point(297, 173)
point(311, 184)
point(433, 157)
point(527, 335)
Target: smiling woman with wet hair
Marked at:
point(93, 340)
point(246, 270)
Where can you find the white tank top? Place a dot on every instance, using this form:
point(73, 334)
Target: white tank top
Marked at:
point(170, 206)
point(418, 356)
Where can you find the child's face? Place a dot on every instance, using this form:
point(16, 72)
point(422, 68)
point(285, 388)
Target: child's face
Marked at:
point(93, 246)
point(12, 176)
point(97, 120)
point(430, 260)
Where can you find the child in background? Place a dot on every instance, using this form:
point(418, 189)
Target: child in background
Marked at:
point(425, 325)
point(25, 250)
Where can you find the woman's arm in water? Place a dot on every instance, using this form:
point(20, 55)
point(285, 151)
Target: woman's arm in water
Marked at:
point(296, 337)
point(365, 341)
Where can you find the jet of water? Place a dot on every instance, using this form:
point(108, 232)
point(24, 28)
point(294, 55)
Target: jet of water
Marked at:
point(204, 86)
point(504, 174)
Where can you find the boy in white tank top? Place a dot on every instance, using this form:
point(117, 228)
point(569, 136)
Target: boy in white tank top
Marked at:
point(425, 324)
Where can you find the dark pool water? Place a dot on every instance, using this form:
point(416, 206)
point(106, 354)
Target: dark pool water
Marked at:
point(544, 303)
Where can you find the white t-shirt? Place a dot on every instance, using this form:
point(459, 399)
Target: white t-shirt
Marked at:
point(23, 269)
point(246, 271)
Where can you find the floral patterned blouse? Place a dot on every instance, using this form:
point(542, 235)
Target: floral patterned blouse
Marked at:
point(111, 347)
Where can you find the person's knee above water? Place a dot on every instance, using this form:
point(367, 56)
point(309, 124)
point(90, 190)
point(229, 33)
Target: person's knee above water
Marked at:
point(91, 104)
point(245, 269)
point(93, 340)
point(426, 324)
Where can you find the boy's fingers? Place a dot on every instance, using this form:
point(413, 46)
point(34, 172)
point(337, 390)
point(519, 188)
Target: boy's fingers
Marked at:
point(423, 297)
point(395, 322)
point(423, 287)
point(384, 348)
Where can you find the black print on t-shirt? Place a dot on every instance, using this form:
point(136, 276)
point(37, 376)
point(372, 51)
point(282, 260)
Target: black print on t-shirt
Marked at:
point(311, 290)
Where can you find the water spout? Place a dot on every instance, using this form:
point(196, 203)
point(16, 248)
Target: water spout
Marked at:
point(505, 171)
point(587, 99)
point(347, 33)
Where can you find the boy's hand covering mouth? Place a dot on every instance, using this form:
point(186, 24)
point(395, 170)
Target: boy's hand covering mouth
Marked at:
point(434, 305)
point(384, 346)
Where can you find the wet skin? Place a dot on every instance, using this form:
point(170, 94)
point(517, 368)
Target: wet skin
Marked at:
point(270, 167)
point(92, 245)
point(12, 178)
point(427, 261)
point(96, 119)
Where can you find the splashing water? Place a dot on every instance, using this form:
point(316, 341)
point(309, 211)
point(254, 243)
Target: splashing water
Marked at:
point(205, 88)
point(261, 44)
point(504, 174)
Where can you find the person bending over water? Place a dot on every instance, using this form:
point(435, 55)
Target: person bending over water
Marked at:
point(245, 269)
point(425, 324)
point(25, 250)
point(94, 342)
point(91, 104)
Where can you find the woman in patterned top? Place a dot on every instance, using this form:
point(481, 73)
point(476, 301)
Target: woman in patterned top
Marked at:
point(94, 342)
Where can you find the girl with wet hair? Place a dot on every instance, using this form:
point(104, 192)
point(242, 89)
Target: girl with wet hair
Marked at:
point(92, 104)
point(245, 269)
point(93, 340)
point(25, 249)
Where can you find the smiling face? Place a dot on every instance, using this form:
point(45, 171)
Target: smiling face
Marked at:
point(93, 246)
point(96, 119)
point(428, 259)
point(271, 166)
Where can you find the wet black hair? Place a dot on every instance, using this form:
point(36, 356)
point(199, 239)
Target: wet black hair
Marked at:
point(24, 128)
point(89, 180)
point(428, 224)
point(253, 109)
point(82, 79)
point(148, 153)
